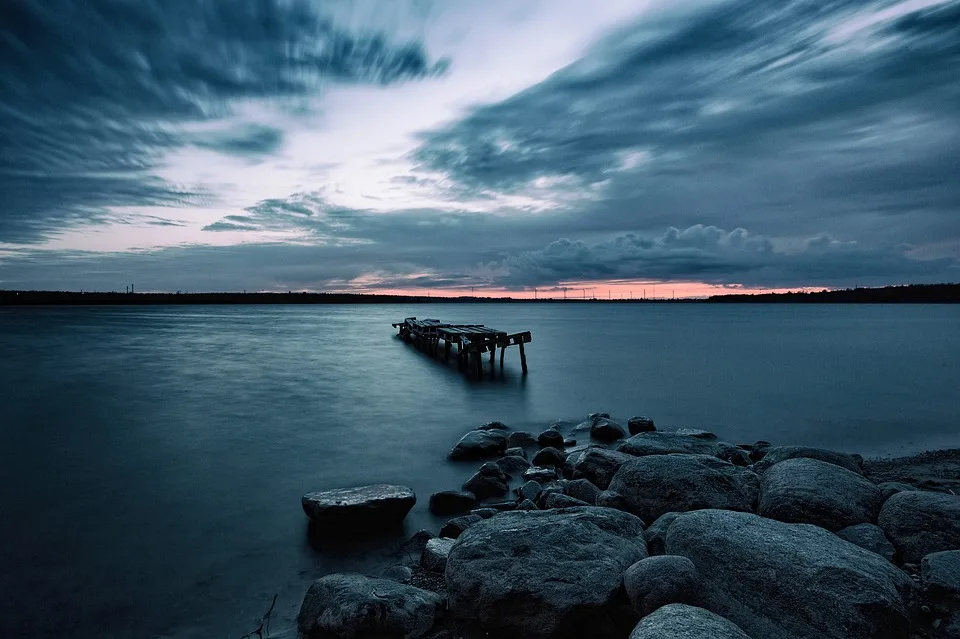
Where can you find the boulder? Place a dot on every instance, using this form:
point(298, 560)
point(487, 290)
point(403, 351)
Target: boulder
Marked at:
point(656, 533)
point(513, 465)
point(919, 523)
point(451, 502)
point(809, 491)
point(550, 438)
point(869, 537)
point(529, 490)
point(360, 509)
point(434, 557)
point(661, 443)
point(679, 621)
point(606, 430)
point(347, 606)
point(777, 454)
point(596, 465)
point(640, 424)
point(549, 456)
point(527, 504)
point(582, 489)
point(890, 488)
point(791, 581)
point(484, 513)
point(521, 439)
point(695, 432)
point(543, 573)
point(489, 481)
point(940, 576)
point(455, 527)
point(480, 444)
point(733, 454)
point(493, 426)
point(415, 545)
point(515, 451)
point(559, 500)
point(652, 485)
point(553, 488)
point(657, 581)
point(539, 474)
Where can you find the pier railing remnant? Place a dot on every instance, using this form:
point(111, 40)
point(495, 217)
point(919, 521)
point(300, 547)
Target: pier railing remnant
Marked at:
point(472, 341)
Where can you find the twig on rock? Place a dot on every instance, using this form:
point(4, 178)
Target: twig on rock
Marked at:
point(263, 630)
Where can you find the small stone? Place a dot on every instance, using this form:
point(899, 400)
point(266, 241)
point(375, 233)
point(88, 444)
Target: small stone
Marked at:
point(540, 474)
point(549, 457)
point(434, 557)
point(759, 450)
point(559, 500)
point(530, 490)
point(550, 439)
point(415, 545)
point(480, 444)
point(656, 533)
point(940, 575)
point(513, 465)
point(526, 504)
point(485, 513)
point(489, 481)
point(695, 432)
point(869, 537)
point(640, 424)
point(521, 439)
point(657, 581)
point(453, 528)
point(581, 489)
point(606, 430)
point(568, 443)
point(493, 426)
point(451, 502)
point(890, 488)
point(515, 451)
point(400, 574)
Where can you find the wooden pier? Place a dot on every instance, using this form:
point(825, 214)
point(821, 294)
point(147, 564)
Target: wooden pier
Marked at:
point(471, 340)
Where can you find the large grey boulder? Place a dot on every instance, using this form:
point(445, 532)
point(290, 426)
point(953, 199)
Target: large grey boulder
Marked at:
point(434, 556)
point(679, 621)
point(869, 537)
point(656, 533)
point(791, 581)
point(663, 443)
point(810, 491)
point(489, 481)
point(657, 581)
point(347, 606)
point(582, 489)
point(652, 485)
point(360, 509)
point(777, 454)
point(543, 573)
point(480, 444)
point(919, 523)
point(596, 465)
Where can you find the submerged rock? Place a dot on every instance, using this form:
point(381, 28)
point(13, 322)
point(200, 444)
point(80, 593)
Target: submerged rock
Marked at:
point(480, 444)
point(360, 509)
point(450, 502)
point(640, 424)
point(347, 606)
point(791, 581)
point(543, 573)
point(652, 485)
point(869, 537)
point(489, 481)
point(657, 581)
point(777, 454)
point(810, 491)
point(550, 439)
point(661, 443)
point(679, 621)
point(919, 523)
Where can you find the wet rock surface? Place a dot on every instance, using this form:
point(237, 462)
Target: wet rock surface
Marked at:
point(360, 509)
point(679, 621)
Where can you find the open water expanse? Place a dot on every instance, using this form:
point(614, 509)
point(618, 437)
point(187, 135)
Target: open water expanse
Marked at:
point(153, 458)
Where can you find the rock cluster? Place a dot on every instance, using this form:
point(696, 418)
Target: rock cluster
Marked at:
point(656, 535)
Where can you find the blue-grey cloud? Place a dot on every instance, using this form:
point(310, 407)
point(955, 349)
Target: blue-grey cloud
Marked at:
point(789, 119)
point(245, 141)
point(90, 92)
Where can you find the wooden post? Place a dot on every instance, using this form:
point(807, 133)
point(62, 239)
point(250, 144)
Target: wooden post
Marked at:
point(446, 351)
point(503, 350)
point(493, 353)
point(479, 357)
point(523, 359)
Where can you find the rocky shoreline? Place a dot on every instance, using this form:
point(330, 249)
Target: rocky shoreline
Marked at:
point(603, 529)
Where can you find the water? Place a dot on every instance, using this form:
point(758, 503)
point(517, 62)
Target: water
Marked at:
point(154, 458)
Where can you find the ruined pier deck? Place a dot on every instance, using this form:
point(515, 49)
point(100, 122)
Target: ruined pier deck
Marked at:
point(471, 340)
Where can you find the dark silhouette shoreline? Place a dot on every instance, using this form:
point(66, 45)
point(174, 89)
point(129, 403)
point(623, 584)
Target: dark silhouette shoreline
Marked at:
point(909, 294)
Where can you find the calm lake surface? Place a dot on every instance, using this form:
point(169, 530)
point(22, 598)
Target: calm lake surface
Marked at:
point(154, 457)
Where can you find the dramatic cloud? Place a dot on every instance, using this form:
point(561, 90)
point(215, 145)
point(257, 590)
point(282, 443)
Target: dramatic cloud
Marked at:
point(91, 93)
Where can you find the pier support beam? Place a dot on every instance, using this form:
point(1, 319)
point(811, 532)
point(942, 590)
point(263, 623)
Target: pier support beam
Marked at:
point(523, 359)
point(503, 351)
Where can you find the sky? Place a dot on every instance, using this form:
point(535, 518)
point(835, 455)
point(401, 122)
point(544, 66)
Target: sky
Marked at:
point(606, 148)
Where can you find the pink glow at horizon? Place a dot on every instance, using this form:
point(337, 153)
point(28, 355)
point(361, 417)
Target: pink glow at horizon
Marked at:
point(586, 290)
